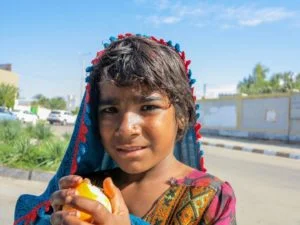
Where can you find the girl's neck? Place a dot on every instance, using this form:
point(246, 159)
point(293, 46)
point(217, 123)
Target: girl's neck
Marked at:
point(170, 167)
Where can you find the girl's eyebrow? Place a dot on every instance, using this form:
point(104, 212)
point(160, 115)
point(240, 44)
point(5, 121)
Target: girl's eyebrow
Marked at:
point(136, 99)
point(109, 101)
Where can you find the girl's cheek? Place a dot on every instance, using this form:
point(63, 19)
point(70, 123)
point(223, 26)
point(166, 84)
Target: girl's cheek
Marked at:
point(106, 123)
point(105, 128)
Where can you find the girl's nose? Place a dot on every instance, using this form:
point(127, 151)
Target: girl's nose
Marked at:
point(129, 125)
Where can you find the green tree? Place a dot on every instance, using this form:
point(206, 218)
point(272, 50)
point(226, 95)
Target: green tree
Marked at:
point(285, 82)
point(52, 103)
point(41, 100)
point(276, 82)
point(256, 82)
point(288, 81)
point(75, 111)
point(57, 103)
point(8, 95)
point(297, 81)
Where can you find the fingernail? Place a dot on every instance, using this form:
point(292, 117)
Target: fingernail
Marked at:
point(87, 180)
point(73, 212)
point(108, 187)
point(68, 199)
point(71, 192)
point(77, 179)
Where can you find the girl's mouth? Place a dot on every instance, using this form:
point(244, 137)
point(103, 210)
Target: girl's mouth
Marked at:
point(131, 151)
point(130, 148)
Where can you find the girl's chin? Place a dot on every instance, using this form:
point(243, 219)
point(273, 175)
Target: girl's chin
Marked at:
point(134, 170)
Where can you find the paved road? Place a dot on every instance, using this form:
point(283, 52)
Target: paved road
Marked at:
point(267, 187)
point(9, 190)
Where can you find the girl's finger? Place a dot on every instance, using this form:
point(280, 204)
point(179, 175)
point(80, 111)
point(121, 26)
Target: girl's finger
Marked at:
point(115, 196)
point(70, 181)
point(61, 197)
point(92, 207)
point(64, 217)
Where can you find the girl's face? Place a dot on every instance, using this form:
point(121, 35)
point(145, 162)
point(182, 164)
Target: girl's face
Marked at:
point(137, 128)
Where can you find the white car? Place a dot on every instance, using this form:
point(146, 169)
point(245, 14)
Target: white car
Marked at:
point(62, 117)
point(25, 116)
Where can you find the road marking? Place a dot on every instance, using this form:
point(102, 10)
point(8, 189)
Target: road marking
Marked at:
point(269, 152)
point(246, 149)
point(294, 156)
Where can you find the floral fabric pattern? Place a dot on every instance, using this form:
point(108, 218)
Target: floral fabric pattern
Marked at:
point(198, 199)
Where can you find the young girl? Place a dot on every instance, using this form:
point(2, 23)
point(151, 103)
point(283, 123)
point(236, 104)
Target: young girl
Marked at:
point(137, 137)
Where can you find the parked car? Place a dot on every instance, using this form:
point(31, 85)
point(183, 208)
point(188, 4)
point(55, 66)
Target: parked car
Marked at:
point(26, 116)
point(6, 115)
point(62, 117)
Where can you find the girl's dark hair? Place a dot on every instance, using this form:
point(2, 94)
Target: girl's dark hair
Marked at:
point(140, 61)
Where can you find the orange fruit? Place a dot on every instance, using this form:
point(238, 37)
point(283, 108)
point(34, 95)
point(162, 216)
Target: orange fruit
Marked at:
point(87, 190)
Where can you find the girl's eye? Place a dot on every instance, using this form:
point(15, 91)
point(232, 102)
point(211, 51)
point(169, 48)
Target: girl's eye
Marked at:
point(109, 110)
point(149, 107)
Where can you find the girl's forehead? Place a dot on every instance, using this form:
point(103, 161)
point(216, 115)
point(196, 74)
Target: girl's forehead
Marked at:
point(109, 88)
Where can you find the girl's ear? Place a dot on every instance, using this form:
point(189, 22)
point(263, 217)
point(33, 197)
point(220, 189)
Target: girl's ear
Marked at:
point(181, 123)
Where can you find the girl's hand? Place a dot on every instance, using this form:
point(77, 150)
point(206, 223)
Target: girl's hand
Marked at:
point(67, 187)
point(99, 213)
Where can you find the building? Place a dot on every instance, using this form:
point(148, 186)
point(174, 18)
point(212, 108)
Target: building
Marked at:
point(210, 91)
point(71, 102)
point(25, 105)
point(7, 76)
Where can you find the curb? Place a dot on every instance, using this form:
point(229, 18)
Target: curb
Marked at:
point(46, 176)
point(255, 150)
point(25, 174)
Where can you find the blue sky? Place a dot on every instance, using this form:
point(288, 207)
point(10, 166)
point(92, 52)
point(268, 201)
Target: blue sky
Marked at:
point(48, 42)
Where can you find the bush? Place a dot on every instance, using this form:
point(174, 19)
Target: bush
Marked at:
point(40, 131)
point(18, 153)
point(5, 150)
point(9, 131)
point(46, 156)
point(67, 136)
point(29, 129)
point(30, 147)
point(51, 153)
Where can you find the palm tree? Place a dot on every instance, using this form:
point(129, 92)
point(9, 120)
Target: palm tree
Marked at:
point(256, 82)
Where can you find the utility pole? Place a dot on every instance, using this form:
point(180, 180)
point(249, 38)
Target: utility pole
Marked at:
point(83, 73)
point(204, 90)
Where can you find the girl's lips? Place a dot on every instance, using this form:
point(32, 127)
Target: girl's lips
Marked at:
point(130, 149)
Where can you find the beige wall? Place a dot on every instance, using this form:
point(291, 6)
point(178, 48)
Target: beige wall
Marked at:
point(275, 116)
point(8, 77)
point(295, 114)
point(212, 114)
point(270, 115)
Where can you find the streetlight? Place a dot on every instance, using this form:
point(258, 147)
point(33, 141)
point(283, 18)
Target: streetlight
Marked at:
point(281, 82)
point(204, 90)
point(83, 73)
